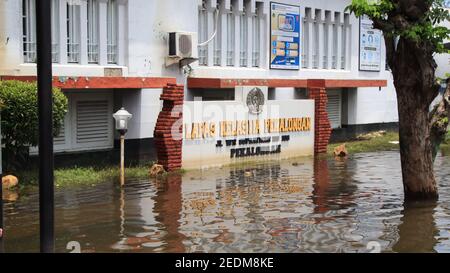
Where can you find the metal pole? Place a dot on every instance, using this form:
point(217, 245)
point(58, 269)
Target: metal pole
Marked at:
point(2, 247)
point(1, 215)
point(44, 79)
point(122, 159)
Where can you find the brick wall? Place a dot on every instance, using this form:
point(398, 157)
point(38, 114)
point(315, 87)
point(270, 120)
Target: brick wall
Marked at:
point(168, 147)
point(322, 123)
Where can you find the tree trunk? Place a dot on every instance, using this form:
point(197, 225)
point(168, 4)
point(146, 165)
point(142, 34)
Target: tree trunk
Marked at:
point(440, 118)
point(415, 146)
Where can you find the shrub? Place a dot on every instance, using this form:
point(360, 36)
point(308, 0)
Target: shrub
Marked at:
point(19, 119)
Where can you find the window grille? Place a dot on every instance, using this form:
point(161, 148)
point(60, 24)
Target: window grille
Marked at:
point(29, 31)
point(55, 31)
point(218, 37)
point(92, 31)
point(203, 34)
point(256, 41)
point(243, 39)
point(73, 33)
point(230, 37)
point(112, 27)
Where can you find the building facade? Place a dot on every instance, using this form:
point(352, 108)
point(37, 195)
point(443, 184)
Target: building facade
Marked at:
point(113, 53)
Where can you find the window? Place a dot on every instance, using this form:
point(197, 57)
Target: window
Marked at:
point(316, 45)
point(256, 21)
point(306, 38)
point(243, 38)
point(336, 24)
point(218, 37)
point(238, 39)
point(92, 31)
point(203, 33)
point(326, 40)
point(55, 31)
point(29, 31)
point(230, 36)
point(112, 26)
point(73, 33)
point(325, 43)
point(345, 40)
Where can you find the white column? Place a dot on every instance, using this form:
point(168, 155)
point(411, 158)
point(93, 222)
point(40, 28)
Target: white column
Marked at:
point(83, 33)
point(102, 33)
point(63, 32)
point(122, 33)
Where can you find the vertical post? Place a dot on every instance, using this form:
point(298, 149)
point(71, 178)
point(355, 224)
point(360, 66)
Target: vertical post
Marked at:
point(122, 159)
point(44, 79)
point(1, 210)
point(1, 195)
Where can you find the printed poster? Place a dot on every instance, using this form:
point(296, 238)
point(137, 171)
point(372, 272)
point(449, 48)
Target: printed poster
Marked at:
point(285, 36)
point(369, 46)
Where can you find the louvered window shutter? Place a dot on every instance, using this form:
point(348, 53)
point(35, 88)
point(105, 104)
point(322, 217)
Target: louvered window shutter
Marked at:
point(334, 108)
point(93, 124)
point(61, 138)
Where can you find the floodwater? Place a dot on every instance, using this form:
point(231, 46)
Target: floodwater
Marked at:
point(302, 205)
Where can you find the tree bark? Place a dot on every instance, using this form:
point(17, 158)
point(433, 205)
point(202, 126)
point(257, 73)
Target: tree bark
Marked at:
point(414, 69)
point(440, 117)
point(415, 148)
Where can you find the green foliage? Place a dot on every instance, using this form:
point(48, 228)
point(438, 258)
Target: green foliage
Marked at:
point(418, 23)
point(19, 118)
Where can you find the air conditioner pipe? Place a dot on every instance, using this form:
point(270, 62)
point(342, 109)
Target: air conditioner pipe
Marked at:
point(215, 31)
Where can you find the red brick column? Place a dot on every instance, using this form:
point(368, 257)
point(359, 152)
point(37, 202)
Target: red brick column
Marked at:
point(168, 147)
point(318, 93)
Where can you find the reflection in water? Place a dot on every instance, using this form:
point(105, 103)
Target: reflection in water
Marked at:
point(418, 231)
point(168, 210)
point(301, 205)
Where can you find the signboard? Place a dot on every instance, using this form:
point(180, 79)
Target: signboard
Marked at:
point(217, 133)
point(369, 46)
point(285, 36)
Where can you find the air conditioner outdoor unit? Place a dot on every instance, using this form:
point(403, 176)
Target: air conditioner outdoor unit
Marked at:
point(182, 48)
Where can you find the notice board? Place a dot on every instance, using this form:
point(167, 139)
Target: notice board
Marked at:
point(369, 46)
point(285, 36)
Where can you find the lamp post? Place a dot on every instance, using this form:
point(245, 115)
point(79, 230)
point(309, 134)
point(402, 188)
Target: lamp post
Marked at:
point(122, 117)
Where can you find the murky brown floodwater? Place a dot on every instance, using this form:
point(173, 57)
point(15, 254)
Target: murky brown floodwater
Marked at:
point(293, 206)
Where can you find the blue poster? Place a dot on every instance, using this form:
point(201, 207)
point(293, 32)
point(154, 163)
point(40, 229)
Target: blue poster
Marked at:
point(285, 36)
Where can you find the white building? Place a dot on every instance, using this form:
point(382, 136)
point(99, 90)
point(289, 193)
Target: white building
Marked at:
point(112, 53)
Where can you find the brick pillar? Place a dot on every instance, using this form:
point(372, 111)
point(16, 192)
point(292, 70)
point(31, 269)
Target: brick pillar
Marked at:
point(168, 148)
point(322, 124)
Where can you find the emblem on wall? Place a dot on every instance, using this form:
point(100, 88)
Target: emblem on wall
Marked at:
point(255, 101)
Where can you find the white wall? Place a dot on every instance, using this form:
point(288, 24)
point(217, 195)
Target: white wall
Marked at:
point(144, 43)
point(145, 106)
